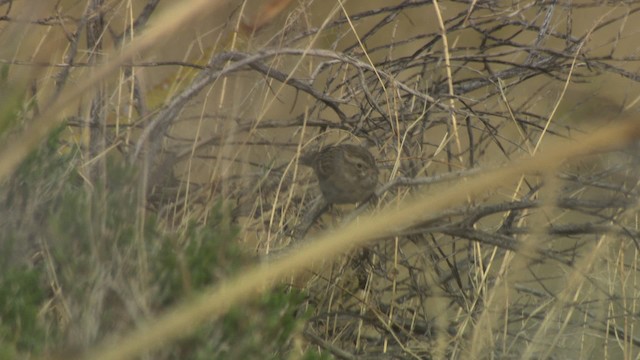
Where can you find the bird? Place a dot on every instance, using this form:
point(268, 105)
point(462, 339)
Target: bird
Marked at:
point(347, 174)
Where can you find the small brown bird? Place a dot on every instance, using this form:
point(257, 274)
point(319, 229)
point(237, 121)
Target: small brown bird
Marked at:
point(347, 173)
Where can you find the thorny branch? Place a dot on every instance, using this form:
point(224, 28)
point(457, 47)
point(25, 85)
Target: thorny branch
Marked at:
point(388, 90)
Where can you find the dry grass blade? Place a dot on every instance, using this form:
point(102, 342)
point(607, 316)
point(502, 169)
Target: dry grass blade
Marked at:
point(175, 136)
point(183, 319)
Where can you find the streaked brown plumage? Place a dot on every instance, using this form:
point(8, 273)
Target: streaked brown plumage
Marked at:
point(346, 173)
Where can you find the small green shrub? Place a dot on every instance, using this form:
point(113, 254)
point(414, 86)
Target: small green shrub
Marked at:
point(21, 296)
point(95, 237)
